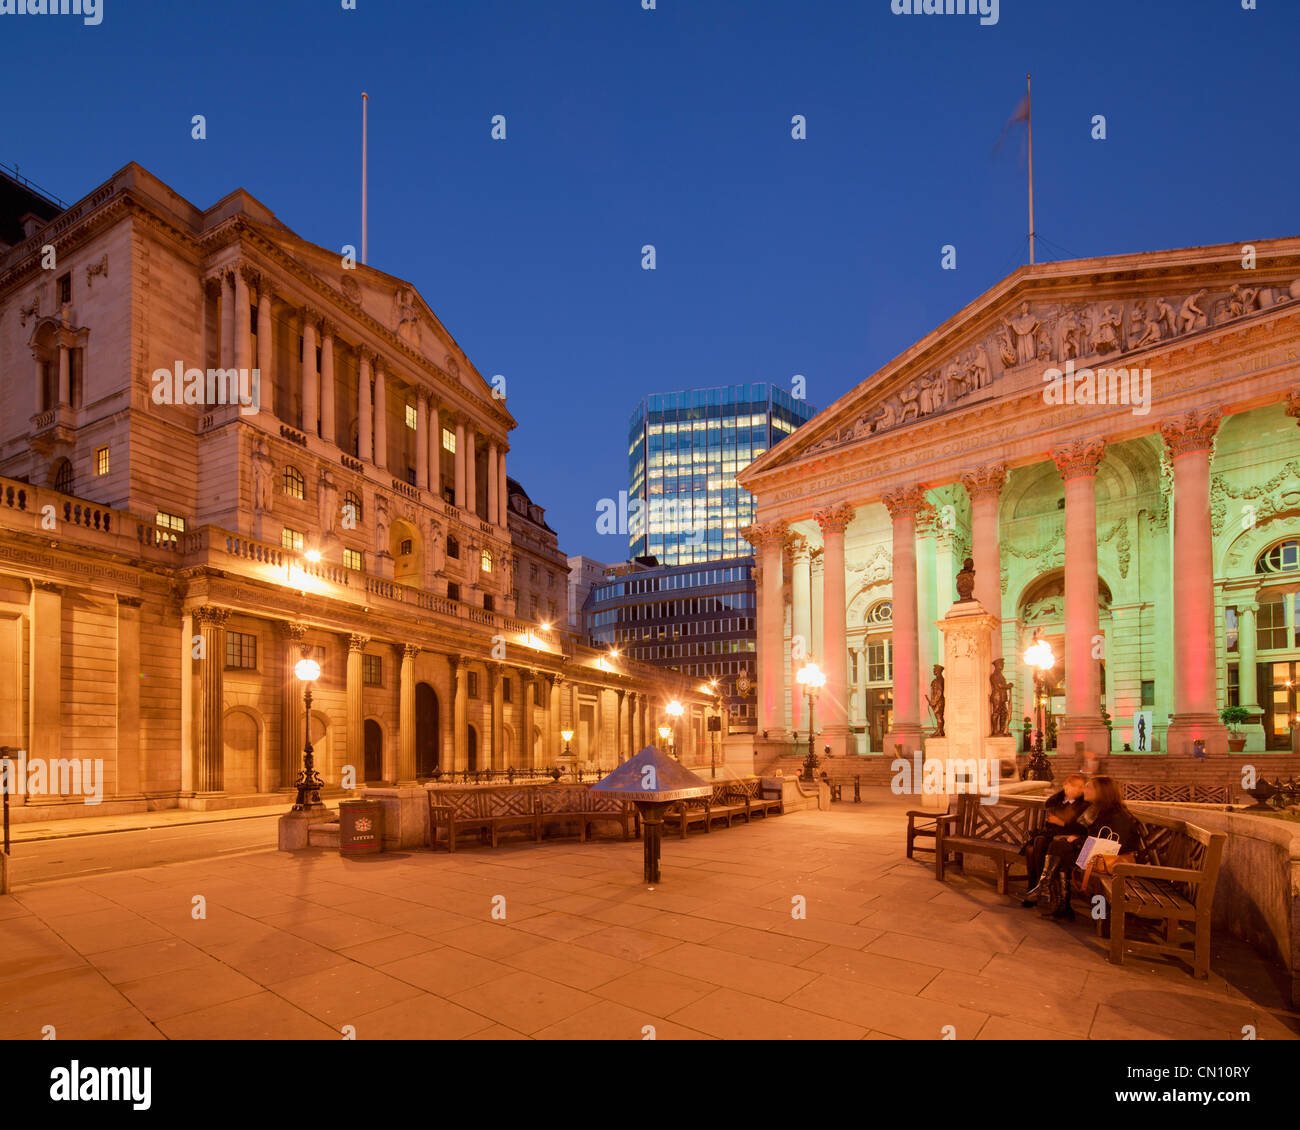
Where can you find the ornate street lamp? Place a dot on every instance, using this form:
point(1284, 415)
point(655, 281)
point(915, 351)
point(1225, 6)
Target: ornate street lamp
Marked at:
point(1039, 656)
point(675, 710)
point(813, 679)
point(664, 731)
point(711, 687)
point(309, 783)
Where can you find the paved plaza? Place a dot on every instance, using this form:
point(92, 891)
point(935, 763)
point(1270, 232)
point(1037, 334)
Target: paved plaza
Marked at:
point(311, 946)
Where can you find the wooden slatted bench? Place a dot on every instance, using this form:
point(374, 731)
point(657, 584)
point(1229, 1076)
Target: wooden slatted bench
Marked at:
point(483, 810)
point(1171, 889)
point(922, 824)
point(727, 800)
point(577, 804)
point(763, 797)
point(998, 831)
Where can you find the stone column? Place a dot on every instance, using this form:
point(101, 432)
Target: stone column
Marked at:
point(310, 378)
point(622, 725)
point(552, 735)
point(984, 485)
point(1078, 462)
point(503, 490)
point(496, 673)
point(931, 600)
point(45, 681)
point(406, 717)
point(769, 539)
point(128, 698)
point(527, 683)
point(833, 700)
point(381, 416)
point(356, 721)
point(242, 311)
point(460, 465)
point(1247, 671)
point(471, 470)
point(327, 332)
point(291, 737)
point(460, 714)
point(801, 646)
point(493, 491)
point(365, 421)
point(433, 452)
point(226, 354)
point(421, 439)
point(904, 505)
point(265, 349)
point(209, 704)
point(1189, 439)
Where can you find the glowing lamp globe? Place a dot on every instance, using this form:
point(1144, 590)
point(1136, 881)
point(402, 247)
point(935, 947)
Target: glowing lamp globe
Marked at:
point(308, 670)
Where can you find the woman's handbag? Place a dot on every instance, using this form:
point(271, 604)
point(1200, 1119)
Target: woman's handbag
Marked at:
point(1105, 842)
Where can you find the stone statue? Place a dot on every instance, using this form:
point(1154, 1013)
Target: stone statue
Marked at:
point(966, 581)
point(1108, 327)
point(437, 548)
point(1166, 317)
point(908, 398)
point(1190, 313)
point(888, 417)
point(1024, 328)
point(937, 701)
point(263, 476)
point(999, 702)
point(980, 367)
point(1150, 333)
point(939, 393)
point(1069, 331)
point(1242, 300)
point(381, 524)
point(1007, 348)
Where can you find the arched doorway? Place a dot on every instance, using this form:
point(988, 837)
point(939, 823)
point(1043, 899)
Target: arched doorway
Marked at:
point(471, 762)
point(408, 553)
point(427, 748)
point(374, 770)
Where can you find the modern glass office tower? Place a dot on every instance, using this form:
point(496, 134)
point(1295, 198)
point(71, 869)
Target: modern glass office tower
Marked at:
point(684, 449)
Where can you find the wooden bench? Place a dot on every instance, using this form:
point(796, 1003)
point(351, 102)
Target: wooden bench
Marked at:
point(561, 804)
point(923, 825)
point(762, 797)
point(1176, 794)
point(725, 801)
point(998, 831)
point(482, 810)
point(1171, 888)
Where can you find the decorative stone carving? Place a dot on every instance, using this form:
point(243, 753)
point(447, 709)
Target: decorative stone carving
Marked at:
point(250, 274)
point(1107, 336)
point(986, 481)
point(966, 582)
point(351, 289)
point(97, 268)
point(1192, 431)
point(1267, 500)
point(381, 523)
point(762, 534)
point(31, 310)
point(406, 316)
point(327, 495)
point(208, 614)
point(263, 474)
point(1024, 328)
point(1190, 315)
point(1080, 457)
point(358, 642)
point(877, 568)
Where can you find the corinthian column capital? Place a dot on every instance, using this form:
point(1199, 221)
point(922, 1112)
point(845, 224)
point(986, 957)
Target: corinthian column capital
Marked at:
point(834, 519)
point(985, 482)
point(761, 535)
point(358, 642)
point(1192, 431)
point(1079, 458)
point(905, 502)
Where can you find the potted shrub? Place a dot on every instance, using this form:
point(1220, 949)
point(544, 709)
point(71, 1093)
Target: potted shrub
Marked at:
point(1028, 742)
point(1233, 717)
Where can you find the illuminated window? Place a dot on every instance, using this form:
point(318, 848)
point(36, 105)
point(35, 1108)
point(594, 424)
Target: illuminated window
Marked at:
point(291, 539)
point(352, 560)
point(101, 460)
point(449, 440)
point(352, 511)
point(412, 421)
point(486, 561)
point(294, 484)
point(404, 547)
point(170, 522)
point(241, 651)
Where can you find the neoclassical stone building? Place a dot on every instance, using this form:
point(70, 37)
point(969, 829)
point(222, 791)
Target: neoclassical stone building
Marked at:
point(1114, 442)
point(170, 549)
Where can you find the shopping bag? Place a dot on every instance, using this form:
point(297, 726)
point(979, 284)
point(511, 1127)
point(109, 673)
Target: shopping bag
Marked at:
point(1105, 842)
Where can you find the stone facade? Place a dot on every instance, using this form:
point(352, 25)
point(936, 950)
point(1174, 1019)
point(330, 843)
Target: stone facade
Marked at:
point(1114, 443)
point(166, 559)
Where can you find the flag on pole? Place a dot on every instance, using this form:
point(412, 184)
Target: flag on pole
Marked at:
point(1020, 114)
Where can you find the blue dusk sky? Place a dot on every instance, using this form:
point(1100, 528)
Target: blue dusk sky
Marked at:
point(672, 127)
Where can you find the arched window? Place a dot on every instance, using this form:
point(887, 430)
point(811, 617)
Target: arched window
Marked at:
point(295, 486)
point(63, 476)
point(882, 613)
point(353, 500)
point(485, 561)
point(1281, 558)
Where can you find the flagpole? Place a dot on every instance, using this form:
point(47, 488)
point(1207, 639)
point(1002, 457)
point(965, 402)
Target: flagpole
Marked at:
point(1029, 118)
point(365, 98)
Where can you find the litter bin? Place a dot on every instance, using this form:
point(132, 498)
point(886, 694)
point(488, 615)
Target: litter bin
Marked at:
point(361, 827)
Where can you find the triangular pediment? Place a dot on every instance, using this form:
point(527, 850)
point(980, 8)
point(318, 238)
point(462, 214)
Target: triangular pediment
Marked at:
point(1097, 313)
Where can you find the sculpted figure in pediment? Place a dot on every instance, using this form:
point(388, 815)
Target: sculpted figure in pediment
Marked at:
point(1108, 329)
point(1166, 318)
point(957, 378)
point(1007, 348)
point(926, 401)
point(1191, 316)
point(1242, 301)
point(1024, 328)
point(908, 397)
point(981, 377)
point(1146, 328)
point(888, 418)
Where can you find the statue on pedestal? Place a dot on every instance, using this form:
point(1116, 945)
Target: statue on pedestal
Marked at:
point(936, 700)
point(966, 581)
point(999, 702)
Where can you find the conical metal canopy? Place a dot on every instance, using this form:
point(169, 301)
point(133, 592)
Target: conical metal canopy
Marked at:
point(654, 777)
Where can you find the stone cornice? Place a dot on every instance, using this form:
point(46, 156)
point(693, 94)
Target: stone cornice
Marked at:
point(1192, 431)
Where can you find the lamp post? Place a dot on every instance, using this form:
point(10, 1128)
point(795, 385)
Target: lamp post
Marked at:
point(664, 731)
point(1039, 656)
point(309, 782)
point(675, 710)
point(711, 687)
point(813, 679)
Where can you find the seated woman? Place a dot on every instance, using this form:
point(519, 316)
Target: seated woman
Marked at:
point(1107, 813)
point(1064, 808)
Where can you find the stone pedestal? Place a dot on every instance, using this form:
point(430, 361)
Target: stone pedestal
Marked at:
point(406, 815)
point(4, 872)
point(293, 827)
point(969, 758)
